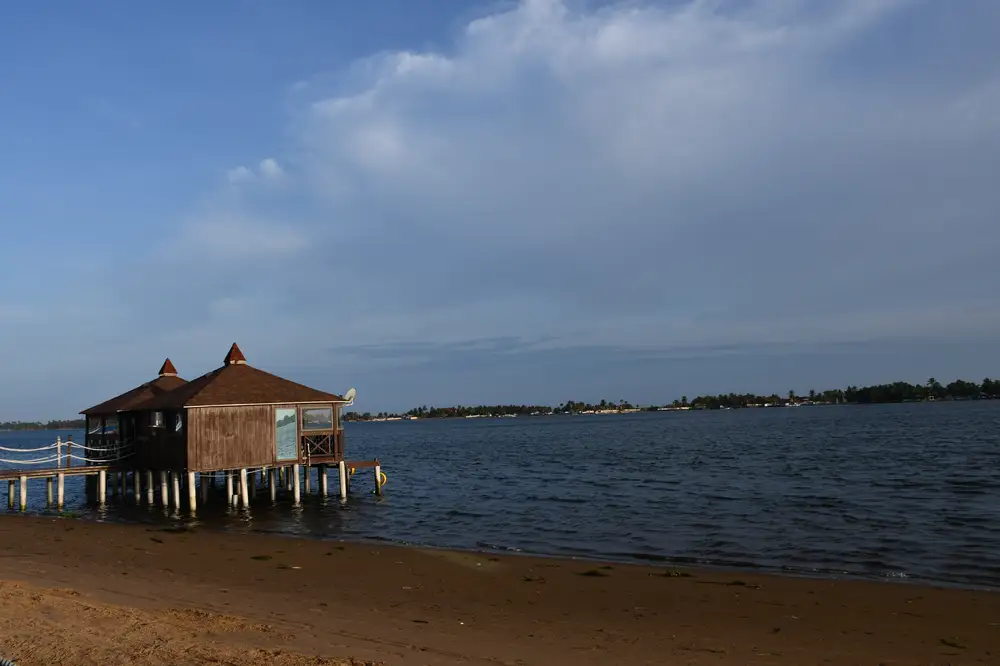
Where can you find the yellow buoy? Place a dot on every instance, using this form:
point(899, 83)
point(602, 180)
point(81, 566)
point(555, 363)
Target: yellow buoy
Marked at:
point(385, 479)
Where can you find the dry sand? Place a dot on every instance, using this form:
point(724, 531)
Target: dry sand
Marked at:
point(76, 592)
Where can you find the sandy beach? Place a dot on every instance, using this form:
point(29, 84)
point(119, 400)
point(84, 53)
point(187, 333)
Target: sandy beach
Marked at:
point(76, 592)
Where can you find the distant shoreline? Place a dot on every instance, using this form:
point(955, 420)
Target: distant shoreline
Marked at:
point(896, 392)
point(653, 409)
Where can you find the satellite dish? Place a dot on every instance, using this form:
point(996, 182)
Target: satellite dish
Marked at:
point(349, 396)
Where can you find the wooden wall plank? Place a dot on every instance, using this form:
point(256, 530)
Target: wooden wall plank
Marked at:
point(230, 437)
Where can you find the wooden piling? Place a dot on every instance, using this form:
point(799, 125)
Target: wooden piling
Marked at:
point(137, 486)
point(102, 487)
point(48, 491)
point(203, 484)
point(192, 492)
point(272, 475)
point(244, 494)
point(296, 493)
point(307, 481)
point(150, 494)
point(10, 494)
point(24, 493)
point(323, 487)
point(229, 488)
point(343, 479)
point(288, 477)
point(378, 479)
point(60, 489)
point(164, 495)
point(175, 482)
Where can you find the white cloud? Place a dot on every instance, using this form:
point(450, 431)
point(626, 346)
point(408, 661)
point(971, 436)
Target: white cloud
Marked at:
point(240, 174)
point(267, 170)
point(270, 170)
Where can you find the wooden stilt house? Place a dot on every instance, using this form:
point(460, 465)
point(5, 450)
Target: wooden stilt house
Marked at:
point(109, 425)
point(236, 417)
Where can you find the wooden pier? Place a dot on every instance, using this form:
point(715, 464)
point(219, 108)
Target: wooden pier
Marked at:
point(175, 440)
point(187, 490)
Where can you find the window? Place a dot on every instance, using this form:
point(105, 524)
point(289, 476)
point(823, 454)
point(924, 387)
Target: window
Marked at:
point(286, 433)
point(317, 418)
point(94, 425)
point(178, 422)
point(156, 419)
point(111, 425)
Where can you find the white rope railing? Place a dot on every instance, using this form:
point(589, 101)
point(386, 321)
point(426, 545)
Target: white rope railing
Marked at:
point(122, 452)
point(42, 448)
point(38, 461)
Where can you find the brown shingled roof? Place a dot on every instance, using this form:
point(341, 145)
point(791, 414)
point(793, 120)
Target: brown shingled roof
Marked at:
point(164, 383)
point(236, 383)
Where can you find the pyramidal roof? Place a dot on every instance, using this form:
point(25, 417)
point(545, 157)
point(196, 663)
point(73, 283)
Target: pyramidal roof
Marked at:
point(168, 369)
point(236, 383)
point(165, 382)
point(234, 356)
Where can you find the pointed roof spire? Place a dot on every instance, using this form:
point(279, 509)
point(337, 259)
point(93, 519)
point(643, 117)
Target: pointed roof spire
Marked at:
point(235, 356)
point(168, 369)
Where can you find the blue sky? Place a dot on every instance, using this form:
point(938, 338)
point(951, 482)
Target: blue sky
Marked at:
point(462, 202)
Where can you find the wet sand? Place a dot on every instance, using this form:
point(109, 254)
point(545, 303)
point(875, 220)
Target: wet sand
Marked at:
point(77, 592)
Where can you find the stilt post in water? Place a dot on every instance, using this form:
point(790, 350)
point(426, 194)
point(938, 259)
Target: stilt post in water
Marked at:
point(102, 487)
point(244, 492)
point(60, 489)
point(378, 478)
point(175, 482)
point(343, 479)
point(164, 495)
point(192, 492)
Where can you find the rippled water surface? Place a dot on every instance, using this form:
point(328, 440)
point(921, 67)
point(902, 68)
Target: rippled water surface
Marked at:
point(887, 491)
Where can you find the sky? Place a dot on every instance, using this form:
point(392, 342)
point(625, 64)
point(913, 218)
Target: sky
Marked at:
point(464, 202)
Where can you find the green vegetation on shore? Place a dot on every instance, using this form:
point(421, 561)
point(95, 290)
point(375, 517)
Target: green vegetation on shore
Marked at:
point(71, 424)
point(896, 392)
